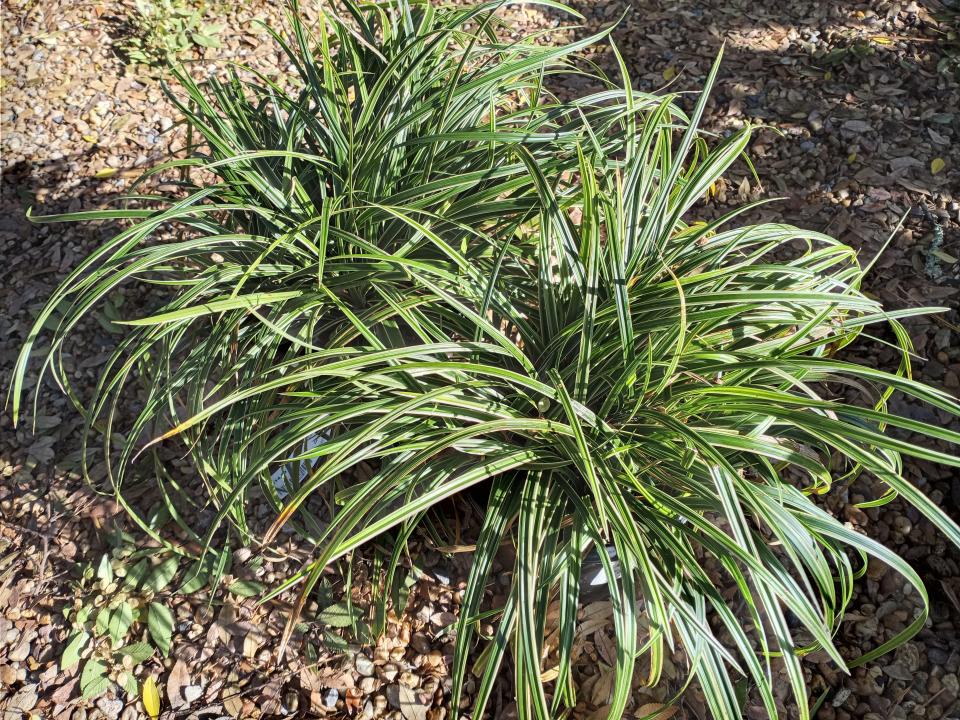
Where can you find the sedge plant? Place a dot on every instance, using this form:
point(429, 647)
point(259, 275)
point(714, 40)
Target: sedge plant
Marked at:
point(413, 270)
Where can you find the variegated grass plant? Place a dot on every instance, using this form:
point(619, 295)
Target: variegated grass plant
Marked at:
point(415, 252)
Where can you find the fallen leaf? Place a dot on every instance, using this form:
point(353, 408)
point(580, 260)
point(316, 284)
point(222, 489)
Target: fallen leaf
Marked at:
point(857, 126)
point(233, 705)
point(410, 706)
point(443, 619)
point(151, 697)
point(251, 643)
point(937, 165)
point(603, 688)
point(937, 137)
point(905, 162)
point(269, 699)
point(595, 616)
point(178, 677)
point(65, 692)
point(22, 702)
point(656, 711)
point(353, 699)
point(606, 648)
point(551, 674)
point(104, 173)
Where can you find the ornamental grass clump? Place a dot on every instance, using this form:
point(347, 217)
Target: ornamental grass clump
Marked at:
point(414, 271)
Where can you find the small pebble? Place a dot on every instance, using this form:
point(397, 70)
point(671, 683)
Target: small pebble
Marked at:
point(363, 664)
point(110, 707)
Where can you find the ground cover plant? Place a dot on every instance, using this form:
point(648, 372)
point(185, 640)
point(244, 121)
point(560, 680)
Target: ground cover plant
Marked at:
point(163, 29)
point(118, 617)
point(417, 271)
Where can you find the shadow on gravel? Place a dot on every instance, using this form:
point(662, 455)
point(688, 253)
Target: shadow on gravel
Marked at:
point(45, 188)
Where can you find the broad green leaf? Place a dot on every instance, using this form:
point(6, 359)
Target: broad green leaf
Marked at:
point(137, 652)
point(246, 588)
point(93, 679)
point(71, 652)
point(338, 615)
point(120, 620)
point(161, 575)
point(334, 642)
point(205, 39)
point(102, 624)
point(129, 684)
point(137, 573)
point(199, 575)
point(160, 626)
point(105, 569)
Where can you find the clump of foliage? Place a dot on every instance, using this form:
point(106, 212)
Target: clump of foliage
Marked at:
point(418, 271)
point(119, 617)
point(163, 29)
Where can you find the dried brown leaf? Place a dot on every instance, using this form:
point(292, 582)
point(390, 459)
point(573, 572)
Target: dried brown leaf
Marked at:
point(179, 677)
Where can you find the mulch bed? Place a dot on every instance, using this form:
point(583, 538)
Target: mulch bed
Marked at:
point(862, 105)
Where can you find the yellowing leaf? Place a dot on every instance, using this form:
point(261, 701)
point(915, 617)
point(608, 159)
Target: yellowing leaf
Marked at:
point(881, 40)
point(669, 73)
point(90, 138)
point(852, 157)
point(937, 165)
point(828, 76)
point(151, 697)
point(105, 173)
point(551, 674)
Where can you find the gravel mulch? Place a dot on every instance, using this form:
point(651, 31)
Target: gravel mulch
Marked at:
point(867, 106)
